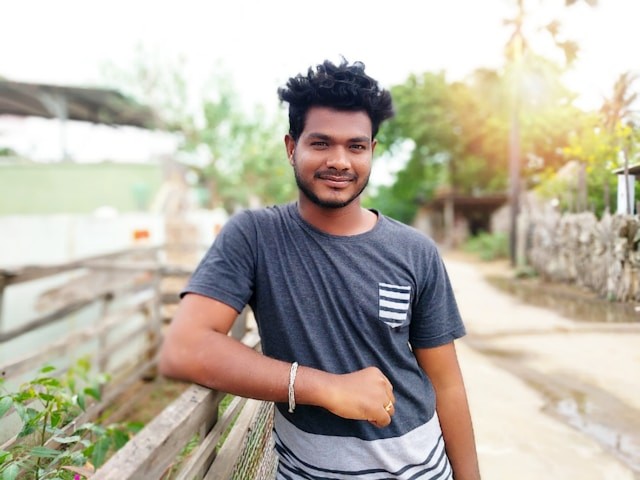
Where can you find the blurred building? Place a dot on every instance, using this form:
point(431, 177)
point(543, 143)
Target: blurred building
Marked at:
point(67, 149)
point(450, 218)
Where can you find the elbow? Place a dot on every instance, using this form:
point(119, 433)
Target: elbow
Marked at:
point(169, 364)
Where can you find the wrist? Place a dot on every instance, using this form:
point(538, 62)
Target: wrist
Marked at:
point(314, 387)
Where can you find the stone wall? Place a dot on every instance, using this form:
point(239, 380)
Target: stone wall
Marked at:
point(578, 248)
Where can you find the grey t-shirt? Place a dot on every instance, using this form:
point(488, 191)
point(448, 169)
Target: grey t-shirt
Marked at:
point(339, 304)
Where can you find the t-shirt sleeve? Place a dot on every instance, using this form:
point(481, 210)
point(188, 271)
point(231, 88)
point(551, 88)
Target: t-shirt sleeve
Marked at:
point(226, 272)
point(436, 320)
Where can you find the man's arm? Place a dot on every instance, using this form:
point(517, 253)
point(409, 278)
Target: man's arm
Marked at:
point(441, 366)
point(197, 348)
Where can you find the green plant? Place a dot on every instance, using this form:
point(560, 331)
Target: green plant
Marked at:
point(488, 246)
point(47, 446)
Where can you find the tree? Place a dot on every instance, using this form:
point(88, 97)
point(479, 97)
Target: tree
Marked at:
point(519, 58)
point(238, 158)
point(593, 148)
point(459, 132)
point(157, 80)
point(424, 117)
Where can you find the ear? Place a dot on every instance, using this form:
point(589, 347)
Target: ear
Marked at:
point(373, 145)
point(290, 145)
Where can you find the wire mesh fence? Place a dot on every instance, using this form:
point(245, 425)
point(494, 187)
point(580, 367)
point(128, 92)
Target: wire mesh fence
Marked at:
point(258, 460)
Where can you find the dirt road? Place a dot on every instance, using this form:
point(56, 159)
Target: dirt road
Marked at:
point(551, 397)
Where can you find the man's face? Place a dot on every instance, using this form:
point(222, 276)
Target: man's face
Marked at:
point(332, 158)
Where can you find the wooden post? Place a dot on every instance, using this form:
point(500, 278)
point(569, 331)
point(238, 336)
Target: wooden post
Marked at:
point(449, 220)
point(102, 337)
point(154, 319)
point(2, 286)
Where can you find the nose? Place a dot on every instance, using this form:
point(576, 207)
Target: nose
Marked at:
point(339, 159)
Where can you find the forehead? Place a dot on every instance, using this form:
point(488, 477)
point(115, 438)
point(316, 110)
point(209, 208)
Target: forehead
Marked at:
point(332, 122)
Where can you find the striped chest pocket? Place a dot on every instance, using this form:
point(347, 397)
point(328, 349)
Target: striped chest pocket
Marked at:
point(394, 302)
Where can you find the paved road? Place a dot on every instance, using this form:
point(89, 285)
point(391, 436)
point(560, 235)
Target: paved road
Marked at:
point(551, 398)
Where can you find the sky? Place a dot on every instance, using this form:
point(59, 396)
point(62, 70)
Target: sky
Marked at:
point(262, 43)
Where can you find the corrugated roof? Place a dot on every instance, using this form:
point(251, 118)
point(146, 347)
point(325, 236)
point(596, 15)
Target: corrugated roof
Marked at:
point(95, 105)
point(633, 170)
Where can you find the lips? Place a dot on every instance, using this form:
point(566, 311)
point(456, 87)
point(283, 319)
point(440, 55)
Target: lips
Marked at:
point(334, 178)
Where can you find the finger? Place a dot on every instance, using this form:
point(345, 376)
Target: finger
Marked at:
point(387, 383)
point(381, 422)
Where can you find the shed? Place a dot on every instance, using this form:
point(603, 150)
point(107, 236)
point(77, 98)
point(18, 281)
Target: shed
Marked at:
point(96, 105)
point(450, 218)
point(626, 203)
point(88, 104)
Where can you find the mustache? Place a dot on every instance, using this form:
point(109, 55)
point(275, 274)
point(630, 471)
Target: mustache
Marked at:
point(335, 175)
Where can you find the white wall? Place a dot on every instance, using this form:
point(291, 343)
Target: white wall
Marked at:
point(50, 239)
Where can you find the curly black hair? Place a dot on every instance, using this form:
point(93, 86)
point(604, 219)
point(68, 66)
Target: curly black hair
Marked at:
point(343, 87)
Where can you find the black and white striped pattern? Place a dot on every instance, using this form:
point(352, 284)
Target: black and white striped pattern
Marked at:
point(419, 454)
point(393, 302)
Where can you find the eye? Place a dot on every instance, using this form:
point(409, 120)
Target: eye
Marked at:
point(358, 146)
point(319, 144)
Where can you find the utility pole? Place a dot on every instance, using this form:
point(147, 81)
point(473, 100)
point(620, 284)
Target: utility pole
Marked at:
point(515, 51)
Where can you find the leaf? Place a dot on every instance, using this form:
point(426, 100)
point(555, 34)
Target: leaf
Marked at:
point(93, 392)
point(65, 440)
point(43, 452)
point(86, 426)
point(55, 418)
point(47, 382)
point(134, 427)
point(5, 405)
point(120, 438)
point(84, 363)
point(100, 450)
point(47, 397)
point(81, 401)
point(27, 429)
point(5, 456)
point(47, 369)
point(11, 473)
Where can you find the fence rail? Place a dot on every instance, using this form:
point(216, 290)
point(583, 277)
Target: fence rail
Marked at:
point(155, 452)
point(126, 285)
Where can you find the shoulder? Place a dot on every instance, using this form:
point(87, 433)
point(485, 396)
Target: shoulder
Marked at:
point(251, 225)
point(408, 235)
point(259, 216)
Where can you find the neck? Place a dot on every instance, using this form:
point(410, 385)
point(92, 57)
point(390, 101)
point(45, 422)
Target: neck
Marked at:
point(346, 221)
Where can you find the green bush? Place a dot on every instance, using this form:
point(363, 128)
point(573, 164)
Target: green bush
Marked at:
point(45, 447)
point(488, 246)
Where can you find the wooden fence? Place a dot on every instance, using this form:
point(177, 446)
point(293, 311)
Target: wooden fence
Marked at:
point(158, 451)
point(122, 297)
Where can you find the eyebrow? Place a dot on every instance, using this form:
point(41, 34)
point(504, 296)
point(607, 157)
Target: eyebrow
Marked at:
point(322, 136)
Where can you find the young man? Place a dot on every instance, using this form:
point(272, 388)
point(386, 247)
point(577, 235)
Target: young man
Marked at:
point(355, 311)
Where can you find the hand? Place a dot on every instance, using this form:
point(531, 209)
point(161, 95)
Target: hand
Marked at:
point(362, 395)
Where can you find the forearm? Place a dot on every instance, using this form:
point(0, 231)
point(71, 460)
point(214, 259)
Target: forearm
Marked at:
point(457, 430)
point(222, 363)
point(441, 366)
point(198, 349)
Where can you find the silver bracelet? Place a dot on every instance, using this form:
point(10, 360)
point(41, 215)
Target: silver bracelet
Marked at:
point(292, 381)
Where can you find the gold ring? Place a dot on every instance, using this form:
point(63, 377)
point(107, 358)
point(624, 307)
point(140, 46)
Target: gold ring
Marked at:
point(388, 406)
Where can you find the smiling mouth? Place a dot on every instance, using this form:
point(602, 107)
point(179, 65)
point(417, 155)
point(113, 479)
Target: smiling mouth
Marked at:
point(336, 179)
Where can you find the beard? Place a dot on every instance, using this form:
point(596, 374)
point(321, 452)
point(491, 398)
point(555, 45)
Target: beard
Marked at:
point(307, 190)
